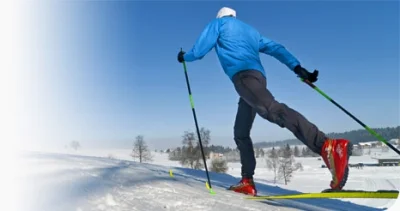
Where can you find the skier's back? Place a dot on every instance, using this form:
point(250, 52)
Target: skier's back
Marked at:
point(238, 45)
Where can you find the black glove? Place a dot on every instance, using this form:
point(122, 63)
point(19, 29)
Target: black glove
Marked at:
point(180, 56)
point(304, 74)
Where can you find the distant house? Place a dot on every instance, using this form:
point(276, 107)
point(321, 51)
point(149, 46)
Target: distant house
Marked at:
point(214, 155)
point(232, 156)
point(388, 161)
point(364, 145)
point(394, 141)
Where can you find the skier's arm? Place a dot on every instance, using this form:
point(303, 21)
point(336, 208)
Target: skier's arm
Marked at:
point(204, 43)
point(278, 51)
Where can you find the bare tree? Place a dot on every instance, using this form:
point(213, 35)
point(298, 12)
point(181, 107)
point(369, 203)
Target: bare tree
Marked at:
point(285, 170)
point(298, 166)
point(272, 161)
point(188, 153)
point(205, 136)
point(191, 152)
point(174, 154)
point(75, 145)
point(141, 150)
point(219, 165)
point(205, 140)
point(287, 165)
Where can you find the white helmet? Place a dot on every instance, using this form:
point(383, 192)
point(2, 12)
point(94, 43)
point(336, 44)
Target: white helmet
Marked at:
point(226, 11)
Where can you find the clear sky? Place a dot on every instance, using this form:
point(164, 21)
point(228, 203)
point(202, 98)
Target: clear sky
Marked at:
point(103, 72)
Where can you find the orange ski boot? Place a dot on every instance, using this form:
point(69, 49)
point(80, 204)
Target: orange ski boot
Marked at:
point(246, 186)
point(336, 153)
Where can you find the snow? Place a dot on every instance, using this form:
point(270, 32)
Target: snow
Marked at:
point(89, 180)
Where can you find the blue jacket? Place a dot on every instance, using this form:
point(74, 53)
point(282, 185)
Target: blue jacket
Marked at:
point(237, 45)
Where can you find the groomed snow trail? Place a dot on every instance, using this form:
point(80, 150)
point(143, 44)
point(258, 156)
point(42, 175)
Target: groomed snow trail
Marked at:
point(77, 183)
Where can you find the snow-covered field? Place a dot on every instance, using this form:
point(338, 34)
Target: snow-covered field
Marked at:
point(90, 180)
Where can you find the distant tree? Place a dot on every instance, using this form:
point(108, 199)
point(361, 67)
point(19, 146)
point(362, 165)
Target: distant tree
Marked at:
point(272, 161)
point(141, 150)
point(287, 151)
point(287, 165)
point(298, 166)
point(257, 152)
point(232, 156)
point(308, 153)
point(262, 153)
point(285, 170)
point(205, 135)
point(168, 150)
point(219, 165)
point(219, 149)
point(304, 152)
point(296, 151)
point(188, 156)
point(75, 145)
point(175, 154)
point(191, 152)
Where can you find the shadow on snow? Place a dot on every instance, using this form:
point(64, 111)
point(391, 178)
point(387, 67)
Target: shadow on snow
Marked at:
point(223, 180)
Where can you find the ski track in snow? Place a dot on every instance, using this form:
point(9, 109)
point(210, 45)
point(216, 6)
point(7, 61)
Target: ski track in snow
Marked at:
point(79, 183)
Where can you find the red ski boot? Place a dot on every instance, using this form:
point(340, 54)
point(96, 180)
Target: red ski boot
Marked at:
point(336, 153)
point(246, 186)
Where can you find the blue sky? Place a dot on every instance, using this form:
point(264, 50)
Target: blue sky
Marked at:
point(106, 71)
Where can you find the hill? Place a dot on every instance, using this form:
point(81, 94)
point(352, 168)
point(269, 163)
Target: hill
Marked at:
point(52, 181)
point(355, 136)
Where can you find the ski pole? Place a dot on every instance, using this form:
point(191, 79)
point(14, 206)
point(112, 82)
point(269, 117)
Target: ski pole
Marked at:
point(379, 137)
point(197, 126)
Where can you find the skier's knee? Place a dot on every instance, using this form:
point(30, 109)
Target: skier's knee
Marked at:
point(276, 113)
point(241, 140)
point(241, 134)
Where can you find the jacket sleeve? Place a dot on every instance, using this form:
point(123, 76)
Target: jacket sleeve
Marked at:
point(204, 43)
point(278, 51)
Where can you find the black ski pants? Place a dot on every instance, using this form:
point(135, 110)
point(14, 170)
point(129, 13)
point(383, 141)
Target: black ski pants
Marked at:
point(255, 98)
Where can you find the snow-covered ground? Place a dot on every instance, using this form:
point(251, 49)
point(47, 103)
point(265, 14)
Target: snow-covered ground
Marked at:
point(90, 180)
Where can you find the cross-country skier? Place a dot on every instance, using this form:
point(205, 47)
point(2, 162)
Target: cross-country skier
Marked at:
point(237, 45)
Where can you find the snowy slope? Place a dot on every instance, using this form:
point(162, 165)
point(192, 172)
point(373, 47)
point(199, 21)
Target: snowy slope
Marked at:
point(58, 182)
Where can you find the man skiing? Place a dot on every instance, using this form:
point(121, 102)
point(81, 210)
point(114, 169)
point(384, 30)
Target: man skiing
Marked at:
point(237, 45)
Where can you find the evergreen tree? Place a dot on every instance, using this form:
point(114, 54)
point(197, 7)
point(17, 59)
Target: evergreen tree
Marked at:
point(296, 151)
point(304, 152)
